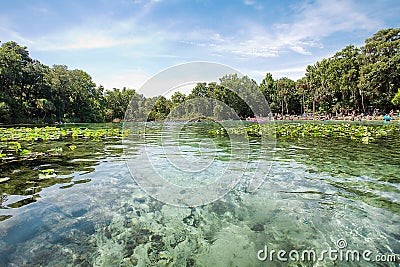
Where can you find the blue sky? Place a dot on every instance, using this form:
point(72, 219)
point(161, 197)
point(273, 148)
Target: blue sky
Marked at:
point(124, 42)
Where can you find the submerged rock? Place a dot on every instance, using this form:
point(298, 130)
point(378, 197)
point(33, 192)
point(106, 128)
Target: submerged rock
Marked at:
point(258, 227)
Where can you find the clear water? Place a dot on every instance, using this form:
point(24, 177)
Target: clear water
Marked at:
point(94, 214)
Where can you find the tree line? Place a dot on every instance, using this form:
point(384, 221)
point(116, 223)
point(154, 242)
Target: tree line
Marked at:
point(354, 79)
point(33, 92)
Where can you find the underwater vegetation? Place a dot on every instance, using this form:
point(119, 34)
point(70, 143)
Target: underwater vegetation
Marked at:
point(71, 200)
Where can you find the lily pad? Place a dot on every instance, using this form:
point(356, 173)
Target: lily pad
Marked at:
point(48, 173)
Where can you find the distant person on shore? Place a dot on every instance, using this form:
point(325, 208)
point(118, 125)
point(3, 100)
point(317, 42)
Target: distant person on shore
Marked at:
point(387, 118)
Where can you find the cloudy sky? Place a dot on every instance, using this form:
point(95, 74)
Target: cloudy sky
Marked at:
point(124, 42)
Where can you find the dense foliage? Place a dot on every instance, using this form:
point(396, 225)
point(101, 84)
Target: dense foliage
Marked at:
point(33, 92)
point(354, 79)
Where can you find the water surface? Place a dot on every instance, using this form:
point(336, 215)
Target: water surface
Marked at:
point(93, 213)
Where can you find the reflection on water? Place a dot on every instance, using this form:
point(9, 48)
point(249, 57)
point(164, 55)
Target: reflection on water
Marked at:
point(93, 213)
point(25, 179)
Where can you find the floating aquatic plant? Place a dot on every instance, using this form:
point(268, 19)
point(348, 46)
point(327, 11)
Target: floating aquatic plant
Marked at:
point(358, 133)
point(14, 142)
point(17, 134)
point(47, 173)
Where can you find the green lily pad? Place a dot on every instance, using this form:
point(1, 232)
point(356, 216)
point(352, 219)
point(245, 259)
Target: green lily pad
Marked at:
point(48, 173)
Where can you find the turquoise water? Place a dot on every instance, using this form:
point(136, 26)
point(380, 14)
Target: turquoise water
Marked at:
point(94, 213)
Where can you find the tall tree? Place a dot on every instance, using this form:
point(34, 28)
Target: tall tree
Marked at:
point(238, 93)
point(344, 69)
point(14, 65)
point(286, 92)
point(380, 73)
point(268, 89)
point(396, 99)
point(302, 90)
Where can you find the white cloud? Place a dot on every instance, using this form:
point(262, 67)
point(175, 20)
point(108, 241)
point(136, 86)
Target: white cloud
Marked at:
point(316, 20)
point(253, 3)
point(133, 79)
point(258, 44)
point(146, 2)
point(249, 2)
point(97, 32)
point(293, 73)
point(312, 22)
point(87, 36)
point(81, 40)
point(303, 31)
point(14, 36)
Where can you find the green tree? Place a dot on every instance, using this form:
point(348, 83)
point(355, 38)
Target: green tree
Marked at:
point(344, 69)
point(238, 92)
point(14, 61)
point(319, 78)
point(58, 80)
point(286, 92)
point(268, 89)
point(118, 101)
point(177, 98)
point(302, 90)
point(396, 99)
point(380, 72)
